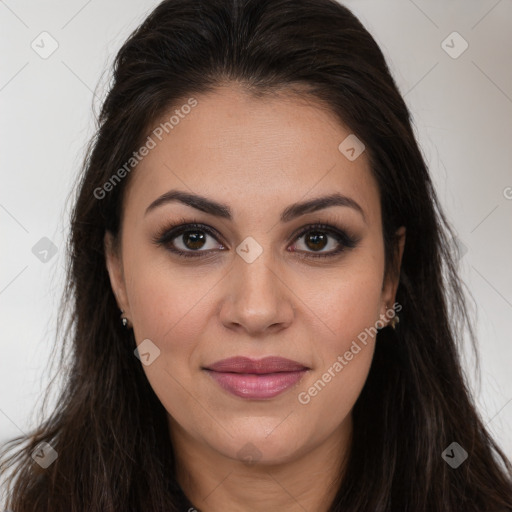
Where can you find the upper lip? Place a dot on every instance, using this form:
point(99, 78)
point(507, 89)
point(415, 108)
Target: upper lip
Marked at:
point(271, 364)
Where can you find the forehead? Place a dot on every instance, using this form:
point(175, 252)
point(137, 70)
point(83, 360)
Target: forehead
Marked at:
point(252, 153)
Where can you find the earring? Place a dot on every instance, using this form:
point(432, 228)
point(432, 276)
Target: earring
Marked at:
point(394, 320)
point(124, 320)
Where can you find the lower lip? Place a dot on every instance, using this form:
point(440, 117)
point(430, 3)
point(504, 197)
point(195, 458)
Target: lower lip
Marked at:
point(250, 385)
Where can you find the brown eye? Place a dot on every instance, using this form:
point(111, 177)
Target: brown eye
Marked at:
point(316, 240)
point(193, 239)
point(197, 240)
point(318, 237)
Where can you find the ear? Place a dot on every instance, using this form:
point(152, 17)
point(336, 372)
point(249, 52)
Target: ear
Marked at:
point(390, 285)
point(114, 265)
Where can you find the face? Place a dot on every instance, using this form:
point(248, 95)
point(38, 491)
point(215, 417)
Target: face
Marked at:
point(256, 277)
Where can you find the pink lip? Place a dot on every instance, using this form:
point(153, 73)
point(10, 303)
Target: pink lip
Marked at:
point(250, 378)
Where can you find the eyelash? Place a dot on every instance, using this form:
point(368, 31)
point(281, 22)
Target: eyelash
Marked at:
point(177, 228)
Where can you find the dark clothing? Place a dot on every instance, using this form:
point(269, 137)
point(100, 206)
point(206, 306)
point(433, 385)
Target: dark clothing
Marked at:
point(184, 504)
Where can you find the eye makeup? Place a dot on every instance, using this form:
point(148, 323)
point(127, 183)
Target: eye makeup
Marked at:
point(167, 235)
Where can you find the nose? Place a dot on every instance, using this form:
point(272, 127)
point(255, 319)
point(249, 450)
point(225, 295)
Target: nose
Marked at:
point(257, 300)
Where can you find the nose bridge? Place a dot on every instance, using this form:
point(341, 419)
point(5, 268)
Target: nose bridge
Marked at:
point(257, 279)
point(257, 298)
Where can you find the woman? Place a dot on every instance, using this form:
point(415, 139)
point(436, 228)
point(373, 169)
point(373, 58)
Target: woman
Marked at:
point(256, 205)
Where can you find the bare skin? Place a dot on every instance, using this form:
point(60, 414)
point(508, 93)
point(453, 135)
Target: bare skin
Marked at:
point(257, 156)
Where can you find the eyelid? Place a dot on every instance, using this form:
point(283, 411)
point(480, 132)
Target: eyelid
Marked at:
point(343, 236)
point(322, 226)
point(180, 226)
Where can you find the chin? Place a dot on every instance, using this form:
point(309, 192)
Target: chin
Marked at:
point(254, 448)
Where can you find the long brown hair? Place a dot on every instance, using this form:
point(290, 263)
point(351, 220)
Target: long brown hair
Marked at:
point(110, 430)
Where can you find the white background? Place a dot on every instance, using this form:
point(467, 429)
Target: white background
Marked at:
point(462, 112)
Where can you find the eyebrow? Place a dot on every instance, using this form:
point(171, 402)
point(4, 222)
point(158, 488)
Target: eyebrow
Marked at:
point(224, 211)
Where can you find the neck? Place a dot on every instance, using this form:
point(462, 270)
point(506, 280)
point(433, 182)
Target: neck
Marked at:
point(215, 483)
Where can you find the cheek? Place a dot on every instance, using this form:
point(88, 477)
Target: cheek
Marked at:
point(169, 302)
point(348, 309)
point(169, 305)
point(343, 304)
point(353, 308)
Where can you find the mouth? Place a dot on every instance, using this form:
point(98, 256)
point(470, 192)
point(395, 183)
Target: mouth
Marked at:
point(256, 379)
